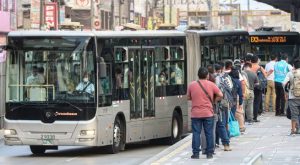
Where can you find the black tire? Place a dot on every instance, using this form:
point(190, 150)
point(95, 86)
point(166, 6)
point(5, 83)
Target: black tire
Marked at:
point(119, 135)
point(176, 129)
point(37, 150)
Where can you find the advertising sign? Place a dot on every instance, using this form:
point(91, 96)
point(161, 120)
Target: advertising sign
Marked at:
point(35, 14)
point(51, 15)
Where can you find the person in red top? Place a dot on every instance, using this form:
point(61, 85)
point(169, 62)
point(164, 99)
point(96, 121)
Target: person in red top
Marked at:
point(202, 111)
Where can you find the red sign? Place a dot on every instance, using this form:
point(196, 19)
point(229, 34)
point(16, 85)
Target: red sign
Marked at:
point(50, 15)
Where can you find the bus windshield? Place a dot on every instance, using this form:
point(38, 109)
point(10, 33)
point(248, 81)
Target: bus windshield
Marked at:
point(50, 69)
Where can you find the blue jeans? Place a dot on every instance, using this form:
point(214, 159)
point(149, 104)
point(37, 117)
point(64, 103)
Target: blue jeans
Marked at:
point(208, 124)
point(221, 128)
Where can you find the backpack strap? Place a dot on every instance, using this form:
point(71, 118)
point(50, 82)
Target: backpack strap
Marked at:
point(205, 92)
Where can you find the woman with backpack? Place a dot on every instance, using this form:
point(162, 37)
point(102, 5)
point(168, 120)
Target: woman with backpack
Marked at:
point(236, 89)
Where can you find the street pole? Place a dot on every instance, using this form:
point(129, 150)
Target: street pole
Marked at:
point(120, 12)
point(112, 15)
point(187, 12)
point(170, 12)
point(41, 14)
point(92, 15)
point(164, 11)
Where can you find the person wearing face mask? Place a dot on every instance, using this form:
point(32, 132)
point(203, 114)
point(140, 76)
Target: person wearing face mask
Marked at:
point(85, 85)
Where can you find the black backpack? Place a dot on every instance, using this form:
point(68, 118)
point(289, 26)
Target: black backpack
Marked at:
point(261, 79)
point(234, 92)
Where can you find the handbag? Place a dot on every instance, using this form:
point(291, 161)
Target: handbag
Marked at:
point(234, 128)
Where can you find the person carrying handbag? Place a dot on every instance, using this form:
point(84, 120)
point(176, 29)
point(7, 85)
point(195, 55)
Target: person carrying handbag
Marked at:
point(202, 111)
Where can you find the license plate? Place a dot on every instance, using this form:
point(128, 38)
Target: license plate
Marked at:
point(48, 139)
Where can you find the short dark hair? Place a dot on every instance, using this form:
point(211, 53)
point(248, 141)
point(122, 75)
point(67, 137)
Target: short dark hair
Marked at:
point(234, 73)
point(284, 56)
point(247, 65)
point(218, 67)
point(254, 59)
point(228, 64)
point(297, 63)
point(202, 73)
point(273, 56)
point(221, 63)
point(248, 57)
point(210, 68)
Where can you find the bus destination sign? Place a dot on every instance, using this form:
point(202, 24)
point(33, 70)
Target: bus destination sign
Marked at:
point(268, 39)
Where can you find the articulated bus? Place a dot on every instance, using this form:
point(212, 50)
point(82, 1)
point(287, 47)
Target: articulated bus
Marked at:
point(210, 47)
point(138, 81)
point(266, 43)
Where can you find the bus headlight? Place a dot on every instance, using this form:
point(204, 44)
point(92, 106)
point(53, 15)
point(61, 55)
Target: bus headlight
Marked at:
point(10, 132)
point(87, 132)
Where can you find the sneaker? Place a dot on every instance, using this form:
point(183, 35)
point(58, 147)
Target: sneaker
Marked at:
point(209, 156)
point(293, 134)
point(242, 129)
point(194, 156)
point(255, 120)
point(227, 148)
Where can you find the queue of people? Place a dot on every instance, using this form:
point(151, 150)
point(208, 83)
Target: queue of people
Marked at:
point(237, 88)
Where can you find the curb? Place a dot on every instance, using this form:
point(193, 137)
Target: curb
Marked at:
point(167, 152)
point(256, 160)
point(1, 136)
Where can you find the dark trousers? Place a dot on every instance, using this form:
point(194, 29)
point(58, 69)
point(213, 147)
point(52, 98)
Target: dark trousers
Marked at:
point(256, 102)
point(208, 125)
point(221, 129)
point(280, 99)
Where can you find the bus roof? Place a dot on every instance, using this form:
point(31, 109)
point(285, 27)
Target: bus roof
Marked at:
point(141, 33)
point(37, 33)
point(273, 33)
point(206, 33)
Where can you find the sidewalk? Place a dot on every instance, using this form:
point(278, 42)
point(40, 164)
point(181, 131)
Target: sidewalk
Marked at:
point(270, 137)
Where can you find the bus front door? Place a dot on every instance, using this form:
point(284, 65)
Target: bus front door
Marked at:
point(135, 90)
point(148, 82)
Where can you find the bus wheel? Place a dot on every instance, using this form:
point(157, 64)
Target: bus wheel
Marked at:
point(38, 150)
point(176, 131)
point(118, 137)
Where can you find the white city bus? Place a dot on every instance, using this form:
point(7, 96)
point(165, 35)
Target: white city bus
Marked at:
point(136, 89)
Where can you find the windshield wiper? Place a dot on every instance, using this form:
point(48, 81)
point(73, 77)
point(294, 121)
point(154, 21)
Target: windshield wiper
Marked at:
point(72, 105)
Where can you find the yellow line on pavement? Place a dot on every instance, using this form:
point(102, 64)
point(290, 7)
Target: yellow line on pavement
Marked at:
point(170, 155)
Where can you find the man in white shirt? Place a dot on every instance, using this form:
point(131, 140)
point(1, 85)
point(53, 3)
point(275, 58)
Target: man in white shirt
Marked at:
point(35, 78)
point(271, 84)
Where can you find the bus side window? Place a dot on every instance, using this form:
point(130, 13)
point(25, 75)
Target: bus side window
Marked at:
point(104, 86)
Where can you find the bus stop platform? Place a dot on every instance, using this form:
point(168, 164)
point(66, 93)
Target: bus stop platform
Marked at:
point(265, 142)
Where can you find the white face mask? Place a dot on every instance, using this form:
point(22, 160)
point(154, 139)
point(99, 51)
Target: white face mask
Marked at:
point(85, 79)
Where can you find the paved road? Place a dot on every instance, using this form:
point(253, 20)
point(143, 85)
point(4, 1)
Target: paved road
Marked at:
point(134, 154)
point(270, 137)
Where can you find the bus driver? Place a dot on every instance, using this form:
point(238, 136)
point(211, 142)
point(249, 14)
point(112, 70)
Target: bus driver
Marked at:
point(85, 85)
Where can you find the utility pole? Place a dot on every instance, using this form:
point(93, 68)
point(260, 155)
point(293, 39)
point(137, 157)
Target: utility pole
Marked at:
point(187, 12)
point(112, 15)
point(92, 15)
point(164, 11)
point(42, 14)
point(120, 12)
point(170, 12)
